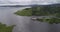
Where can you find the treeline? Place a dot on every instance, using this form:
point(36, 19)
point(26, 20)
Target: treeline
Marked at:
point(46, 11)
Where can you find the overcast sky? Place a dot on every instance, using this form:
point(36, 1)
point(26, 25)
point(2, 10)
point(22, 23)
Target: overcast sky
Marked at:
point(27, 2)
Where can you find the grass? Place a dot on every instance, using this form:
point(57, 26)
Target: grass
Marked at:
point(25, 12)
point(4, 28)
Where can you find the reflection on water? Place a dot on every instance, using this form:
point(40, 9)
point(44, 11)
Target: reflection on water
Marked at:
point(24, 24)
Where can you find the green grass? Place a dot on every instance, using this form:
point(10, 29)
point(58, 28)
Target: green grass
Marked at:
point(25, 12)
point(4, 28)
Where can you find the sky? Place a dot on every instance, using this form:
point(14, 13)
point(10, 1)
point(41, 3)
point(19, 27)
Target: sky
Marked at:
point(28, 2)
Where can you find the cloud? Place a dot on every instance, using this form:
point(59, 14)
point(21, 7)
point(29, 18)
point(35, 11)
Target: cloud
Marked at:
point(28, 2)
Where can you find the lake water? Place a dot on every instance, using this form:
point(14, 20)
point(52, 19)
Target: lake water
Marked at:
point(7, 15)
point(24, 24)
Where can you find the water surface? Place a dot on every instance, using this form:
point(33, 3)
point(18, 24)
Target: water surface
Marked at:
point(25, 24)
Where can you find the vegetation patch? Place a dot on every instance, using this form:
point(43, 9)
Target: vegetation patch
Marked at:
point(51, 20)
point(4, 28)
point(25, 12)
point(46, 11)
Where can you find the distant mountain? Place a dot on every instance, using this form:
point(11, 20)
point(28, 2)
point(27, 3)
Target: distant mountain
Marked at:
point(58, 4)
point(30, 5)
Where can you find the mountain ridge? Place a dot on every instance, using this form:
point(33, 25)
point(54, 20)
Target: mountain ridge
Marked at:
point(29, 5)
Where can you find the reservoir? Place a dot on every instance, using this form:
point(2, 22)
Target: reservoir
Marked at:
point(24, 23)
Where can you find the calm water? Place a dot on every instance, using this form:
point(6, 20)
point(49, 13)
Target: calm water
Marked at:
point(24, 24)
point(7, 14)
